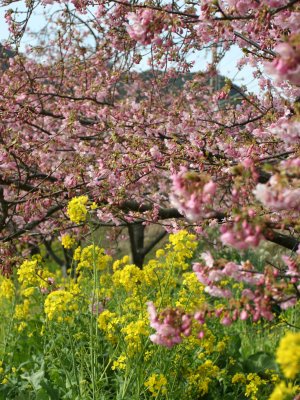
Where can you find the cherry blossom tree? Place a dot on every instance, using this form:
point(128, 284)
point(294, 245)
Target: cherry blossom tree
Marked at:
point(162, 147)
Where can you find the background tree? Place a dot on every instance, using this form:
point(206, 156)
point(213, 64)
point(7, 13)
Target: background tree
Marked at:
point(76, 118)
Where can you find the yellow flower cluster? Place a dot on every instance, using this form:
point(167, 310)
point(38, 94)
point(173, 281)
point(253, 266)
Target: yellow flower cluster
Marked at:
point(252, 387)
point(156, 384)
point(91, 258)
point(7, 288)
point(60, 305)
point(77, 210)
point(128, 277)
point(132, 287)
point(238, 378)
point(31, 273)
point(22, 310)
point(191, 295)
point(200, 379)
point(108, 322)
point(122, 291)
point(288, 354)
point(7, 296)
point(209, 344)
point(120, 363)
point(27, 273)
point(67, 241)
point(284, 391)
point(183, 245)
point(133, 333)
point(119, 263)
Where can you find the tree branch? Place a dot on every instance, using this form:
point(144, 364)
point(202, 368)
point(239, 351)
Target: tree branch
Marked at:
point(33, 224)
point(286, 241)
point(150, 246)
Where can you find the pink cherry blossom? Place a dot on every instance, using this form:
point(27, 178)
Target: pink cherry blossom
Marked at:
point(287, 64)
point(170, 325)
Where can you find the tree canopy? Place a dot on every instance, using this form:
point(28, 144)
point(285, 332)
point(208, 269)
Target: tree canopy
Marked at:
point(77, 118)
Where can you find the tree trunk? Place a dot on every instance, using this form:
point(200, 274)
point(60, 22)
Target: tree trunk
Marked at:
point(137, 235)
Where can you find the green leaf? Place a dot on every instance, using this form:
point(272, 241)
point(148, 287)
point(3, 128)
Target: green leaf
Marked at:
point(34, 379)
point(259, 362)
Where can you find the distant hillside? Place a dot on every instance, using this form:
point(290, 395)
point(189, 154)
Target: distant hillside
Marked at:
point(176, 84)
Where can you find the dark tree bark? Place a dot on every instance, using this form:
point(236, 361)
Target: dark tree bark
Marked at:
point(137, 235)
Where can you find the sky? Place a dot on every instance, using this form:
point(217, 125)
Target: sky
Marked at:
point(227, 66)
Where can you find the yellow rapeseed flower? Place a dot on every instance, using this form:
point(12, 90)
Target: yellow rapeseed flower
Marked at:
point(58, 303)
point(5, 380)
point(238, 378)
point(252, 387)
point(133, 333)
point(128, 277)
point(27, 273)
point(160, 253)
point(67, 241)
point(90, 258)
point(94, 206)
point(22, 310)
point(31, 274)
point(199, 380)
point(120, 363)
point(288, 354)
point(284, 392)
point(22, 326)
point(7, 289)
point(77, 254)
point(28, 292)
point(77, 210)
point(156, 384)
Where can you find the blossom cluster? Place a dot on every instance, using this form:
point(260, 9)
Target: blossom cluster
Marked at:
point(192, 194)
point(264, 289)
point(144, 26)
point(287, 130)
point(286, 66)
point(170, 325)
point(282, 191)
point(272, 197)
point(241, 233)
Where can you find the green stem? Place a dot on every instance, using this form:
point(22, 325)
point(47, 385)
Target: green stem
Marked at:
point(74, 361)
